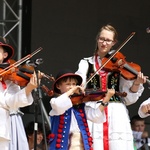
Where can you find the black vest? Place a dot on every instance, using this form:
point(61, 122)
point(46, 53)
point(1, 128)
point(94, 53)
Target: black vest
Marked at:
point(112, 80)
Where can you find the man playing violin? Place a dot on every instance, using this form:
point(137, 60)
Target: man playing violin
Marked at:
point(11, 98)
point(115, 133)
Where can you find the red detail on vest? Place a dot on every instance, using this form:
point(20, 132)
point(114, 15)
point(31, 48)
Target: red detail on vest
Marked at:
point(51, 136)
point(60, 130)
point(80, 110)
point(84, 120)
point(62, 117)
point(58, 145)
point(61, 126)
point(59, 136)
point(87, 129)
point(82, 114)
point(103, 76)
point(58, 141)
point(89, 139)
point(88, 133)
point(85, 124)
point(62, 122)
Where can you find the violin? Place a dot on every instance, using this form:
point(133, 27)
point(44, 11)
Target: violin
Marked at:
point(128, 70)
point(9, 69)
point(91, 95)
point(21, 75)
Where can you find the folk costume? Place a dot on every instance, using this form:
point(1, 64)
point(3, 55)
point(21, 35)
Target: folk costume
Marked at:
point(18, 135)
point(12, 134)
point(69, 126)
point(115, 133)
point(11, 99)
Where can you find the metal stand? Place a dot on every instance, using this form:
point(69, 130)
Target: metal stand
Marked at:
point(38, 102)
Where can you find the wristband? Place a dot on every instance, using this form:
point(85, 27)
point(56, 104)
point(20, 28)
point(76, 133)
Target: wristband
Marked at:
point(103, 104)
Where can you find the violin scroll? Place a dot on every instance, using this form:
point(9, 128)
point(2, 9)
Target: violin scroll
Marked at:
point(47, 91)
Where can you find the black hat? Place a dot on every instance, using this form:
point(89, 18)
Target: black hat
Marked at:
point(7, 48)
point(66, 73)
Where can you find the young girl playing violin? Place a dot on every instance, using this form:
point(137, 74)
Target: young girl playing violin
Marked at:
point(115, 133)
point(69, 126)
point(11, 98)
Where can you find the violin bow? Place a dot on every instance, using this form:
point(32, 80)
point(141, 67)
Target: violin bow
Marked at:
point(119, 48)
point(19, 62)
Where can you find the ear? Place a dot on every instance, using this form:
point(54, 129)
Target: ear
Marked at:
point(5, 55)
point(57, 86)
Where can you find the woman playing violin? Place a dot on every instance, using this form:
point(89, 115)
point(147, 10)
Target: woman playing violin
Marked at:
point(68, 122)
point(11, 98)
point(115, 133)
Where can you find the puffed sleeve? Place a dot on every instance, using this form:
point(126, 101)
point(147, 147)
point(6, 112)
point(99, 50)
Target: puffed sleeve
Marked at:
point(82, 69)
point(141, 114)
point(14, 97)
point(125, 87)
point(60, 104)
point(93, 112)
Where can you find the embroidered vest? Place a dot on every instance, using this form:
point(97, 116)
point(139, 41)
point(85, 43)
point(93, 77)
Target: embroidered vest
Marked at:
point(96, 82)
point(61, 127)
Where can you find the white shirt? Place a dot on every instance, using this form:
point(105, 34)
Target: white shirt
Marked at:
point(141, 114)
point(11, 98)
point(63, 102)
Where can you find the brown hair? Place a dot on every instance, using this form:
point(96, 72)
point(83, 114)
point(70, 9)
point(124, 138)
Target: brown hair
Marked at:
point(136, 118)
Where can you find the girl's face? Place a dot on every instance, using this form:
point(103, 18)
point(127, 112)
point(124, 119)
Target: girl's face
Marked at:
point(105, 42)
point(3, 54)
point(65, 86)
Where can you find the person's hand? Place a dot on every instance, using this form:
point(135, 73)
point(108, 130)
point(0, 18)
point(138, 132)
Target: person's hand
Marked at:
point(109, 94)
point(140, 79)
point(33, 80)
point(33, 83)
point(145, 108)
point(144, 134)
point(76, 90)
